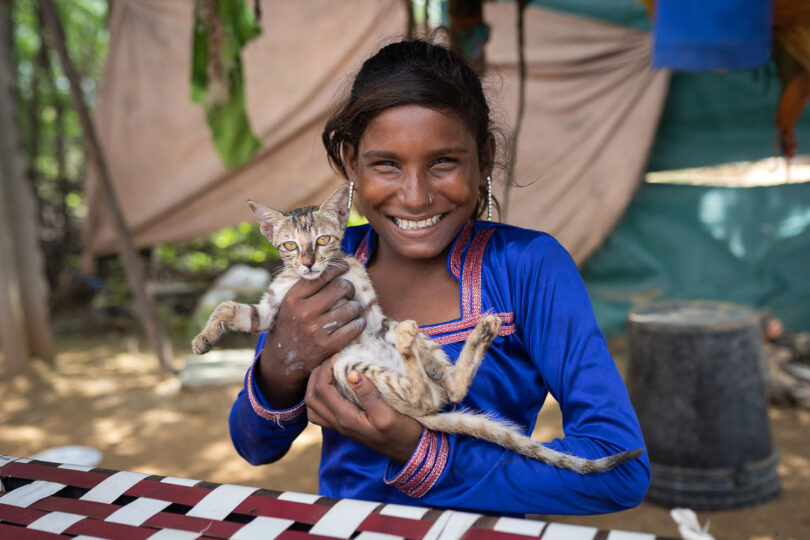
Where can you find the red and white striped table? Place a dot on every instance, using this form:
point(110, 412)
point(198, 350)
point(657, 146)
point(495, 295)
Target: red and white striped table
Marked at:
point(42, 500)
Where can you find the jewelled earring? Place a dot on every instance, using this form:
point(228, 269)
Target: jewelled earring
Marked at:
point(351, 193)
point(489, 198)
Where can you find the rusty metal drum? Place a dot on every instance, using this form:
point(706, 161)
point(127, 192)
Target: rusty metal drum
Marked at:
point(696, 380)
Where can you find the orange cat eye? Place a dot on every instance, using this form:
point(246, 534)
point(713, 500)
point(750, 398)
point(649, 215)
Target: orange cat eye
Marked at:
point(323, 240)
point(290, 246)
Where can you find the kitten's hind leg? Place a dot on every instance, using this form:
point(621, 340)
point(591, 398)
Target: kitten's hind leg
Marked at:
point(407, 333)
point(457, 378)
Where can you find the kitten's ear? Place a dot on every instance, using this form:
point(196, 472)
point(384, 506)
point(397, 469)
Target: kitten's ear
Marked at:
point(267, 218)
point(337, 204)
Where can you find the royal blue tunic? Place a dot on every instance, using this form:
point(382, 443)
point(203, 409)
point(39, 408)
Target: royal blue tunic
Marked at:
point(549, 343)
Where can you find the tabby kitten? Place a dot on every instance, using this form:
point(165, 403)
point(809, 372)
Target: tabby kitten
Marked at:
point(411, 372)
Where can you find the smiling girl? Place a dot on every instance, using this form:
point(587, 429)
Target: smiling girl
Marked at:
point(414, 138)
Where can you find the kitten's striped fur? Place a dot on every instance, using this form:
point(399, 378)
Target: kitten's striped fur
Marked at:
point(411, 372)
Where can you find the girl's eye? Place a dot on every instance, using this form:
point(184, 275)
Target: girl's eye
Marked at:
point(323, 240)
point(384, 165)
point(444, 162)
point(290, 245)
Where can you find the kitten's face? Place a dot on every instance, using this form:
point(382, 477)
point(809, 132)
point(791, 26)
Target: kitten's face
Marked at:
point(307, 239)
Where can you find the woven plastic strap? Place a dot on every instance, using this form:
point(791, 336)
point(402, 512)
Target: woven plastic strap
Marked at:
point(47, 501)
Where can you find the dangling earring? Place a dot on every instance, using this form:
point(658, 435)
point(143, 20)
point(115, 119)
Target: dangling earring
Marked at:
point(351, 193)
point(489, 198)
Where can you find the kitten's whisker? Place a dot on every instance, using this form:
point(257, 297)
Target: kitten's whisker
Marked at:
point(274, 273)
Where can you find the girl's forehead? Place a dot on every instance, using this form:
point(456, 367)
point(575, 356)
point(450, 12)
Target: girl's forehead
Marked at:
point(416, 124)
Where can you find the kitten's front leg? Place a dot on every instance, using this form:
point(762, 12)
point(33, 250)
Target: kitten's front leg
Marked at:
point(230, 315)
point(215, 327)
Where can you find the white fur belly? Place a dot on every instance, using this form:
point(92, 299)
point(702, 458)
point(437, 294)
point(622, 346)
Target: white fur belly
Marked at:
point(373, 358)
point(370, 351)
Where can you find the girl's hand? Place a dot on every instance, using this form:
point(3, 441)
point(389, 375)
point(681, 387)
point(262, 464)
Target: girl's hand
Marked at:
point(308, 329)
point(377, 425)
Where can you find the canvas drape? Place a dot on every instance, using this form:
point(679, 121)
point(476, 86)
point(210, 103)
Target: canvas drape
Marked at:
point(592, 108)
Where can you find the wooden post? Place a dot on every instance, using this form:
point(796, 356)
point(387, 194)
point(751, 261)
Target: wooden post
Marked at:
point(24, 319)
point(132, 265)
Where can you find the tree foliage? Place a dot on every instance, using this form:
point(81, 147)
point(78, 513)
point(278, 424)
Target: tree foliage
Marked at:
point(51, 135)
point(54, 153)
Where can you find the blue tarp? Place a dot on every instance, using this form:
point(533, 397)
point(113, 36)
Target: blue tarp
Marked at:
point(702, 35)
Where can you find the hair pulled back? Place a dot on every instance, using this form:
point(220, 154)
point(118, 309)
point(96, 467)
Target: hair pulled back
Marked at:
point(411, 72)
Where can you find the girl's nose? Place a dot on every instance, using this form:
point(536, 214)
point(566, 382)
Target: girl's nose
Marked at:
point(414, 192)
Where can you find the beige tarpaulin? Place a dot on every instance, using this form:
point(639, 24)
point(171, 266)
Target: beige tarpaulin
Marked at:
point(592, 109)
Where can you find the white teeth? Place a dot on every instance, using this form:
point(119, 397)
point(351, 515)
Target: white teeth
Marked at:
point(414, 225)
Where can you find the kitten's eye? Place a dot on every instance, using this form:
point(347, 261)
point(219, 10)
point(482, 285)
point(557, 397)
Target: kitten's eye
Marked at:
point(323, 240)
point(290, 245)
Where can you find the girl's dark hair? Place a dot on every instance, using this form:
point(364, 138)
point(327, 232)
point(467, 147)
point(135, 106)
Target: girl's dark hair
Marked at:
point(412, 72)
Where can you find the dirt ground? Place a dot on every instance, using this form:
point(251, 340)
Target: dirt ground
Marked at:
point(105, 394)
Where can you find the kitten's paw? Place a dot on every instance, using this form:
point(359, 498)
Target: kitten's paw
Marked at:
point(406, 334)
point(489, 327)
point(201, 345)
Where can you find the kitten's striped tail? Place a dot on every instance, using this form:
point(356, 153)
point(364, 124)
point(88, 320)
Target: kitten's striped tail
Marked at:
point(506, 434)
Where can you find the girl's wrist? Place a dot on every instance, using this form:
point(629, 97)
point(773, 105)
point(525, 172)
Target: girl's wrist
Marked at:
point(407, 440)
point(282, 390)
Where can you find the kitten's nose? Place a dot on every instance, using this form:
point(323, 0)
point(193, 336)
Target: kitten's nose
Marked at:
point(307, 260)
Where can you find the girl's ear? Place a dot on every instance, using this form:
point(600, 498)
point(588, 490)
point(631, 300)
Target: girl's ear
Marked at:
point(349, 159)
point(267, 217)
point(337, 205)
point(486, 160)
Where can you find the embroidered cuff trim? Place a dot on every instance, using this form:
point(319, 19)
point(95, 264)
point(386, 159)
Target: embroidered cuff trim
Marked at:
point(425, 466)
point(437, 469)
point(278, 417)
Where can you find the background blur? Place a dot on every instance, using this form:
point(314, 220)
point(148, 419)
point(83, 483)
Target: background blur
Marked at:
point(666, 176)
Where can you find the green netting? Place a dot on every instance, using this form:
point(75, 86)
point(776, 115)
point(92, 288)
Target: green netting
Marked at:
point(630, 13)
point(713, 118)
point(745, 245)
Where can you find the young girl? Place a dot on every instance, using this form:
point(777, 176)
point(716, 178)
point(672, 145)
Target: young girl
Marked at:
point(414, 138)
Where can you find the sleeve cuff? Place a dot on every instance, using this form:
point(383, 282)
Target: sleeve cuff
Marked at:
point(261, 406)
point(425, 466)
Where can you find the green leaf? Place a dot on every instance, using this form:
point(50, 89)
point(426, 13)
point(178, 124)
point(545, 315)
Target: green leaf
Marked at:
point(228, 120)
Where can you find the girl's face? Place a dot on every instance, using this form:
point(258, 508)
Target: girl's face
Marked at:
point(417, 173)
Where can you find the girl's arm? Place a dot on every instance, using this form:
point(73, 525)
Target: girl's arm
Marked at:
point(260, 433)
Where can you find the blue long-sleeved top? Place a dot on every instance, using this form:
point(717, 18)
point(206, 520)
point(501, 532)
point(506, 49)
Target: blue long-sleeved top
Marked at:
point(548, 343)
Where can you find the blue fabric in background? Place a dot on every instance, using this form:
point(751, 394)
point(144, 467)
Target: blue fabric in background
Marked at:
point(703, 35)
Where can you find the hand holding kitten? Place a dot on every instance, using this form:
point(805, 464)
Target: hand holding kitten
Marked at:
point(309, 328)
point(377, 425)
